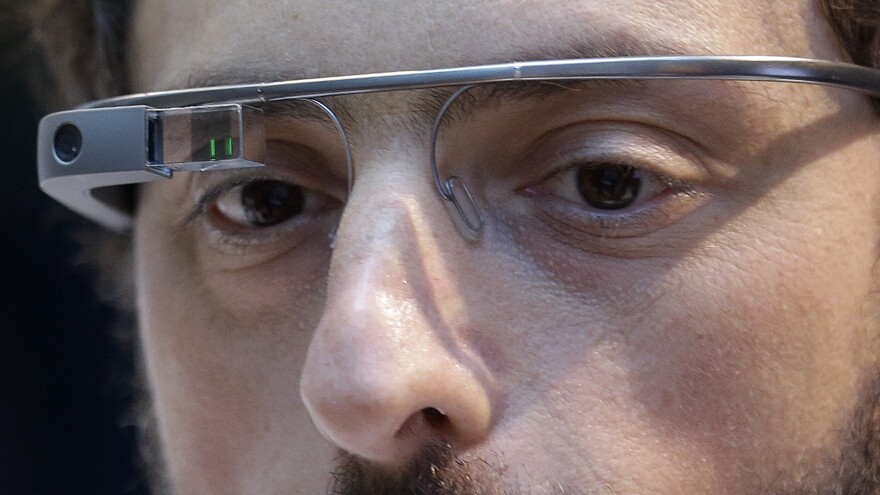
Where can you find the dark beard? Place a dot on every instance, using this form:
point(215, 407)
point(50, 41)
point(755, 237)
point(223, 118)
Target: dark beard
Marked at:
point(857, 469)
point(438, 471)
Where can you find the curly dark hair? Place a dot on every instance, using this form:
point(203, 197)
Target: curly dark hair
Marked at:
point(857, 24)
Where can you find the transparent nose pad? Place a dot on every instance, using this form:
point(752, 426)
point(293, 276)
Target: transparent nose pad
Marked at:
point(459, 201)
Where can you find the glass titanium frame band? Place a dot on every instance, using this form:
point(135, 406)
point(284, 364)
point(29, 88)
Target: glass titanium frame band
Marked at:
point(115, 132)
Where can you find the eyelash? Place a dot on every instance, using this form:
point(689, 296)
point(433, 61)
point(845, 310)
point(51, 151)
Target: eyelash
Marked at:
point(213, 193)
point(576, 163)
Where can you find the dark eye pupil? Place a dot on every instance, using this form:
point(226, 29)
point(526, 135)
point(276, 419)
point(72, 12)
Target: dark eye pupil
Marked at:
point(609, 187)
point(271, 202)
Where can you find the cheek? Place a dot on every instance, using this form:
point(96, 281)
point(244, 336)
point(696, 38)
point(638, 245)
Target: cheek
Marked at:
point(754, 356)
point(730, 361)
point(224, 350)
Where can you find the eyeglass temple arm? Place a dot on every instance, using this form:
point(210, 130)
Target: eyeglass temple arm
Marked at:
point(756, 68)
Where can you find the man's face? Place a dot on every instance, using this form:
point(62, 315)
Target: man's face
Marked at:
point(673, 293)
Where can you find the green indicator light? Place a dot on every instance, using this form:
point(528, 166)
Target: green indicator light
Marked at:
point(213, 148)
point(229, 146)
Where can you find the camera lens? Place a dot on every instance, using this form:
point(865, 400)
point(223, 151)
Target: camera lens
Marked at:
point(68, 143)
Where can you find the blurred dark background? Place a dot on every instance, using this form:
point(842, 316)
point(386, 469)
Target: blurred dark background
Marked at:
point(63, 375)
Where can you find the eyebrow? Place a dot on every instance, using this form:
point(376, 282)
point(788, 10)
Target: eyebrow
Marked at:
point(619, 44)
point(427, 103)
point(424, 108)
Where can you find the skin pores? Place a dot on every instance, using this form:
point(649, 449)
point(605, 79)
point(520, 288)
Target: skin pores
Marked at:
point(720, 346)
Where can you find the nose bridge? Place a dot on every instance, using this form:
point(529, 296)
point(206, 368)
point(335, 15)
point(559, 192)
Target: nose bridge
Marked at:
point(379, 264)
point(387, 369)
point(387, 240)
point(389, 222)
point(391, 264)
point(394, 215)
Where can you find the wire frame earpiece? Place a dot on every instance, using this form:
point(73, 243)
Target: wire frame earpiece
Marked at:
point(462, 207)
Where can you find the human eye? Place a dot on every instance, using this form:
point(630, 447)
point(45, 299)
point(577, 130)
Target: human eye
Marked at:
point(609, 186)
point(614, 183)
point(261, 203)
point(285, 203)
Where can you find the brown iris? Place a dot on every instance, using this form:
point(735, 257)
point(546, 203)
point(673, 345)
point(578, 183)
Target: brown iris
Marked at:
point(270, 202)
point(609, 186)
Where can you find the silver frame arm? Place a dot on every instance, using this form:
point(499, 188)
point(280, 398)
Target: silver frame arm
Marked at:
point(113, 151)
point(741, 68)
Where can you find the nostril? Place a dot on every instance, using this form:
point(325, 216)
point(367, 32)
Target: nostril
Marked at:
point(435, 419)
point(429, 424)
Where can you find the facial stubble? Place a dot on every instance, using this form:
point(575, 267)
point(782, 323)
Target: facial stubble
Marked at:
point(439, 470)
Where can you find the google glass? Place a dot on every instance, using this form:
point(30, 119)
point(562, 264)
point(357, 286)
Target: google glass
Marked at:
point(86, 156)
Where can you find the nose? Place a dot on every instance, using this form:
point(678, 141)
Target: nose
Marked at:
point(390, 368)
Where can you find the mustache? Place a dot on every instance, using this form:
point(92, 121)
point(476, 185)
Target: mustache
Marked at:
point(436, 470)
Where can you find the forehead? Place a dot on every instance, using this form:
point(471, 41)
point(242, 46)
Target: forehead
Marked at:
point(174, 41)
